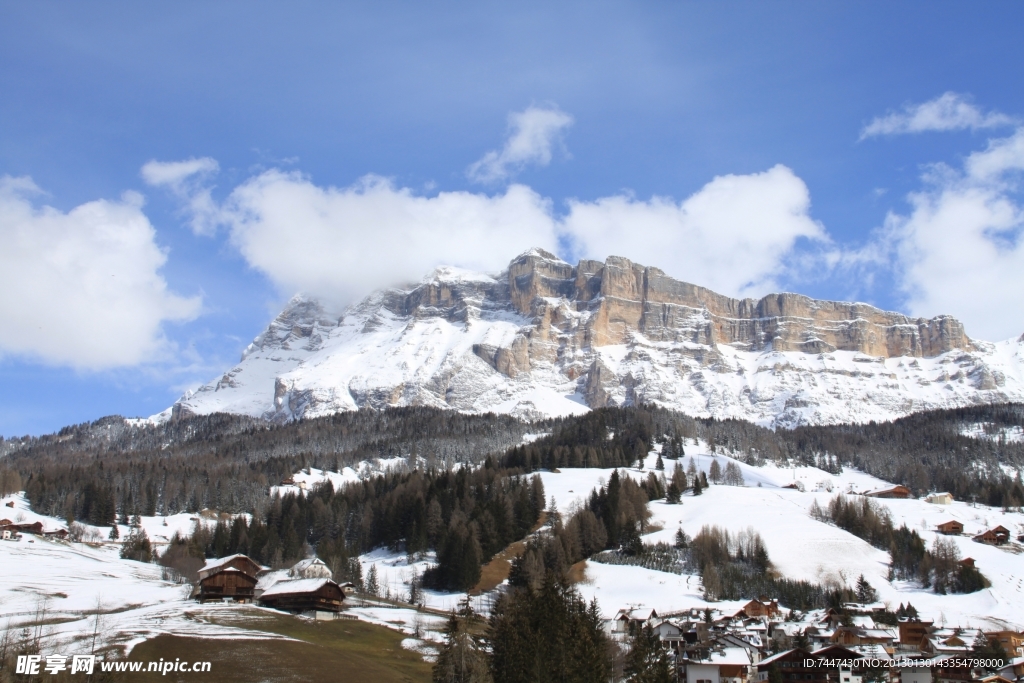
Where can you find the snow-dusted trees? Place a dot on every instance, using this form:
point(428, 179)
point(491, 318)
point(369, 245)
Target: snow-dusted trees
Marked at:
point(866, 593)
point(733, 474)
point(10, 481)
point(137, 546)
point(715, 472)
point(676, 486)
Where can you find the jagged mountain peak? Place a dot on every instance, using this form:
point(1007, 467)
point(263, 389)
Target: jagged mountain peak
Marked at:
point(545, 337)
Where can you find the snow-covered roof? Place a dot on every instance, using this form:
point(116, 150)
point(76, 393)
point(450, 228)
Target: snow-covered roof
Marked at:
point(220, 561)
point(296, 586)
point(302, 565)
point(774, 658)
point(730, 656)
point(270, 578)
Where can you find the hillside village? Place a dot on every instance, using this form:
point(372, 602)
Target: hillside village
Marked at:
point(710, 641)
point(759, 641)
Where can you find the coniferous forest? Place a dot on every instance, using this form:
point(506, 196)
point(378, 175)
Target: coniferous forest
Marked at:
point(116, 469)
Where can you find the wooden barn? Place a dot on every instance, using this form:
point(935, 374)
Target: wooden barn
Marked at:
point(894, 492)
point(951, 528)
point(242, 563)
point(304, 595)
point(228, 583)
point(996, 536)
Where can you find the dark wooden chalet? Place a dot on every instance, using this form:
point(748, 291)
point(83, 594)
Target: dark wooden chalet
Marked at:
point(792, 666)
point(761, 607)
point(913, 632)
point(242, 563)
point(997, 536)
point(227, 584)
point(894, 492)
point(304, 595)
point(951, 528)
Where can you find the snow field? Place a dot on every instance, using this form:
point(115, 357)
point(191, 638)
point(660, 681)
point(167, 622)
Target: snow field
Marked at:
point(800, 547)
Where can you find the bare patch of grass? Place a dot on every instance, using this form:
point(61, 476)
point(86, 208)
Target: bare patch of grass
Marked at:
point(497, 570)
point(344, 649)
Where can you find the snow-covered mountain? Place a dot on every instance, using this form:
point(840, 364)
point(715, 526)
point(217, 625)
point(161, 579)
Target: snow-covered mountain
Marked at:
point(547, 338)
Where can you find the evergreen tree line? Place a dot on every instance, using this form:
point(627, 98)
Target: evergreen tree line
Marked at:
point(615, 516)
point(909, 558)
point(466, 515)
point(544, 635)
point(924, 451)
point(228, 462)
point(111, 469)
point(615, 437)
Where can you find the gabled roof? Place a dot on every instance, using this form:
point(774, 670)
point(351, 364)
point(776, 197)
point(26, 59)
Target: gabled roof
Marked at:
point(221, 561)
point(297, 586)
point(780, 655)
point(270, 578)
point(303, 565)
point(730, 656)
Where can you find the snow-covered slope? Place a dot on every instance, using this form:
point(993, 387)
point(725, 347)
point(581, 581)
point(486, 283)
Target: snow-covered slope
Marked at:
point(545, 338)
point(800, 546)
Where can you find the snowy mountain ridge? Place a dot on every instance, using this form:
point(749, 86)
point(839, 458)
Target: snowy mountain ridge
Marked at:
point(545, 338)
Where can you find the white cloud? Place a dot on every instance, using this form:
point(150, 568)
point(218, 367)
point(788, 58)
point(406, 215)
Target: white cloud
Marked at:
point(342, 243)
point(949, 111)
point(733, 236)
point(532, 135)
point(960, 249)
point(186, 179)
point(82, 288)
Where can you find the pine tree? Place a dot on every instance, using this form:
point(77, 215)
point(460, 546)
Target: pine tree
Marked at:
point(372, 586)
point(462, 658)
point(415, 593)
point(137, 546)
point(682, 541)
point(114, 533)
point(660, 465)
point(647, 661)
point(865, 591)
point(673, 494)
point(697, 487)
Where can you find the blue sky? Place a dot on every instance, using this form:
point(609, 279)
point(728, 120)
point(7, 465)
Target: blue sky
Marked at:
point(867, 151)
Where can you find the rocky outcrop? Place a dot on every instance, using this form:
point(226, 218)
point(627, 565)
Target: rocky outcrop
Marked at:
point(627, 298)
point(549, 338)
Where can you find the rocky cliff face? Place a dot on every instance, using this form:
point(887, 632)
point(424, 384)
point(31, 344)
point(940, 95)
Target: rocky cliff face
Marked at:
point(546, 337)
point(625, 297)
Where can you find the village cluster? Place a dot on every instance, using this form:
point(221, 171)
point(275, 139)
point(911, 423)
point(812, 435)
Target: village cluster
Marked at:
point(764, 642)
point(760, 642)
